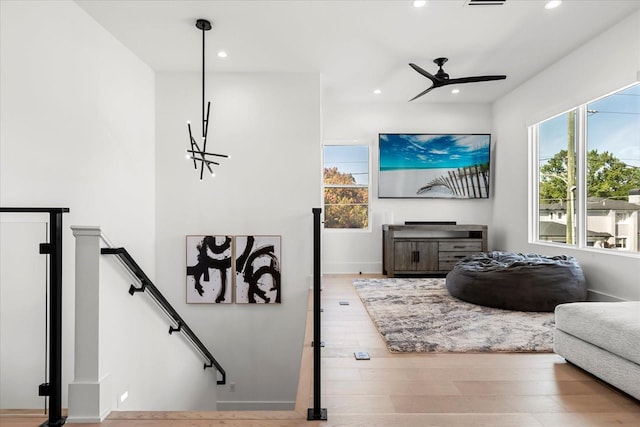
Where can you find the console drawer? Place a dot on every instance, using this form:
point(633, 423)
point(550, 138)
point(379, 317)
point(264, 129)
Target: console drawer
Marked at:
point(460, 246)
point(446, 260)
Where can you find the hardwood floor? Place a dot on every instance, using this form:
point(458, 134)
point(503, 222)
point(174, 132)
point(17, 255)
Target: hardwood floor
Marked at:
point(415, 390)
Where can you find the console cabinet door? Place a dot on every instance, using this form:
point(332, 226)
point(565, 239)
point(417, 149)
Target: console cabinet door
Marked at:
point(415, 256)
point(427, 259)
point(404, 254)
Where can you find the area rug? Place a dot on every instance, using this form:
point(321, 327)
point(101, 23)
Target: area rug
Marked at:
point(419, 315)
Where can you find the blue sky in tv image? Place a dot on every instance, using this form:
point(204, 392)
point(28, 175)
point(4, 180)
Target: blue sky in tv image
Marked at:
point(432, 151)
point(613, 125)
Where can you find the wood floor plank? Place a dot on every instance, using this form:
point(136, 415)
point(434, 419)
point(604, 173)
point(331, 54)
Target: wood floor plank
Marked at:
point(475, 404)
point(530, 388)
point(588, 419)
point(427, 420)
point(383, 388)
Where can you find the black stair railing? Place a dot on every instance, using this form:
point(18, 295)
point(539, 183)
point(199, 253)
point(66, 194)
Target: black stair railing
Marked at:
point(181, 326)
point(53, 248)
point(317, 412)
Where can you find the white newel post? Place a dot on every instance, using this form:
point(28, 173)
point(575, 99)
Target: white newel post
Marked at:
point(89, 393)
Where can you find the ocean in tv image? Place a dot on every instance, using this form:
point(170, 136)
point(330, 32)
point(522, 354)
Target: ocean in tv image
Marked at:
point(434, 165)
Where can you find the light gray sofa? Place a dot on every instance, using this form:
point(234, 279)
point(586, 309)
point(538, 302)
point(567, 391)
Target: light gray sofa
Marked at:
point(602, 338)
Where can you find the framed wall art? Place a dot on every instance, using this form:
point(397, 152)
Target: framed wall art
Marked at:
point(453, 166)
point(257, 269)
point(209, 269)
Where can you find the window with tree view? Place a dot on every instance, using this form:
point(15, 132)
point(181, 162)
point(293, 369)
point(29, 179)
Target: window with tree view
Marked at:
point(589, 174)
point(346, 186)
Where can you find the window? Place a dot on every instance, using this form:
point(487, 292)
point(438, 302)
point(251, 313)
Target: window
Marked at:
point(588, 174)
point(557, 179)
point(346, 186)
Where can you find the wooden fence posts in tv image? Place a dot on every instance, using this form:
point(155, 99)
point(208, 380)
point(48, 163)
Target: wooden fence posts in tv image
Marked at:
point(221, 269)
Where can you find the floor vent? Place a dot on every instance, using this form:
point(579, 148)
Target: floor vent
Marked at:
point(485, 2)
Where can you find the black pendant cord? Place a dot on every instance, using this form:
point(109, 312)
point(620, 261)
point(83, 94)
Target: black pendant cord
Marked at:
point(204, 129)
point(205, 125)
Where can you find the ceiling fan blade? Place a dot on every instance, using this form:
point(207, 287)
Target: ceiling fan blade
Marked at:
point(425, 73)
point(423, 93)
point(475, 79)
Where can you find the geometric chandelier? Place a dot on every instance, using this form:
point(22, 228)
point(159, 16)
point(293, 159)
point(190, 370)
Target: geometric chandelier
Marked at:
point(196, 153)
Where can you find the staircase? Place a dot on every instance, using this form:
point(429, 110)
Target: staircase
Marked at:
point(296, 417)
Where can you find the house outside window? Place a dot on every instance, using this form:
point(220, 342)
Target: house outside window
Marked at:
point(587, 174)
point(346, 186)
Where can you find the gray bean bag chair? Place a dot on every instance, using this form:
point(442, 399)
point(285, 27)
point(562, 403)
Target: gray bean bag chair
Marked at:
point(523, 282)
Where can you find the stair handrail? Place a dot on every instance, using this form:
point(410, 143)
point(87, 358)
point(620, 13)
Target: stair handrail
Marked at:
point(181, 326)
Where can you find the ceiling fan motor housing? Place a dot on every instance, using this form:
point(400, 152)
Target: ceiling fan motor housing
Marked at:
point(440, 62)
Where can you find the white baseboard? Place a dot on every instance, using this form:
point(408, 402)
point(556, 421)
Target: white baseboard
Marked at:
point(601, 297)
point(86, 420)
point(237, 405)
point(352, 267)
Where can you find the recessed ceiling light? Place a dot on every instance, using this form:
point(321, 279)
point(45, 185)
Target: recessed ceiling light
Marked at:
point(222, 54)
point(377, 91)
point(419, 3)
point(553, 4)
point(455, 91)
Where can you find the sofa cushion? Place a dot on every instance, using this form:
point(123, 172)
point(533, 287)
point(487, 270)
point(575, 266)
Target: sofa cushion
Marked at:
point(613, 326)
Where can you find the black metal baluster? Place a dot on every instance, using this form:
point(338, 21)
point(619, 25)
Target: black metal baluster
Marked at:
point(316, 413)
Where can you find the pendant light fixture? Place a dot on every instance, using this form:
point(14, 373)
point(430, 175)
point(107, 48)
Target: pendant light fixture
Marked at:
point(195, 153)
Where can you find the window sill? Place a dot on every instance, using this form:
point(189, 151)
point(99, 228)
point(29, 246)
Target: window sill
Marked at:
point(589, 249)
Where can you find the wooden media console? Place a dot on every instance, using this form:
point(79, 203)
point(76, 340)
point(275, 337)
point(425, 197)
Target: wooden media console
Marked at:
point(429, 249)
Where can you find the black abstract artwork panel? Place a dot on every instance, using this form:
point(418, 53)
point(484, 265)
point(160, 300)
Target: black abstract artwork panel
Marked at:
point(257, 260)
point(209, 269)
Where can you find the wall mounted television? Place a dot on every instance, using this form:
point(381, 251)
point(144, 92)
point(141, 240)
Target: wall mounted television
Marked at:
point(429, 165)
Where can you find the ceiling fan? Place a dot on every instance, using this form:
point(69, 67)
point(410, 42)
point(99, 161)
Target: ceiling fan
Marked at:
point(442, 79)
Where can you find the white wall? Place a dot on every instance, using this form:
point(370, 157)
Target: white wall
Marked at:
point(352, 251)
point(77, 131)
point(270, 124)
point(158, 371)
point(605, 64)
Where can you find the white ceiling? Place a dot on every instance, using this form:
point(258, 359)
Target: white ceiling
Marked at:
point(359, 46)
